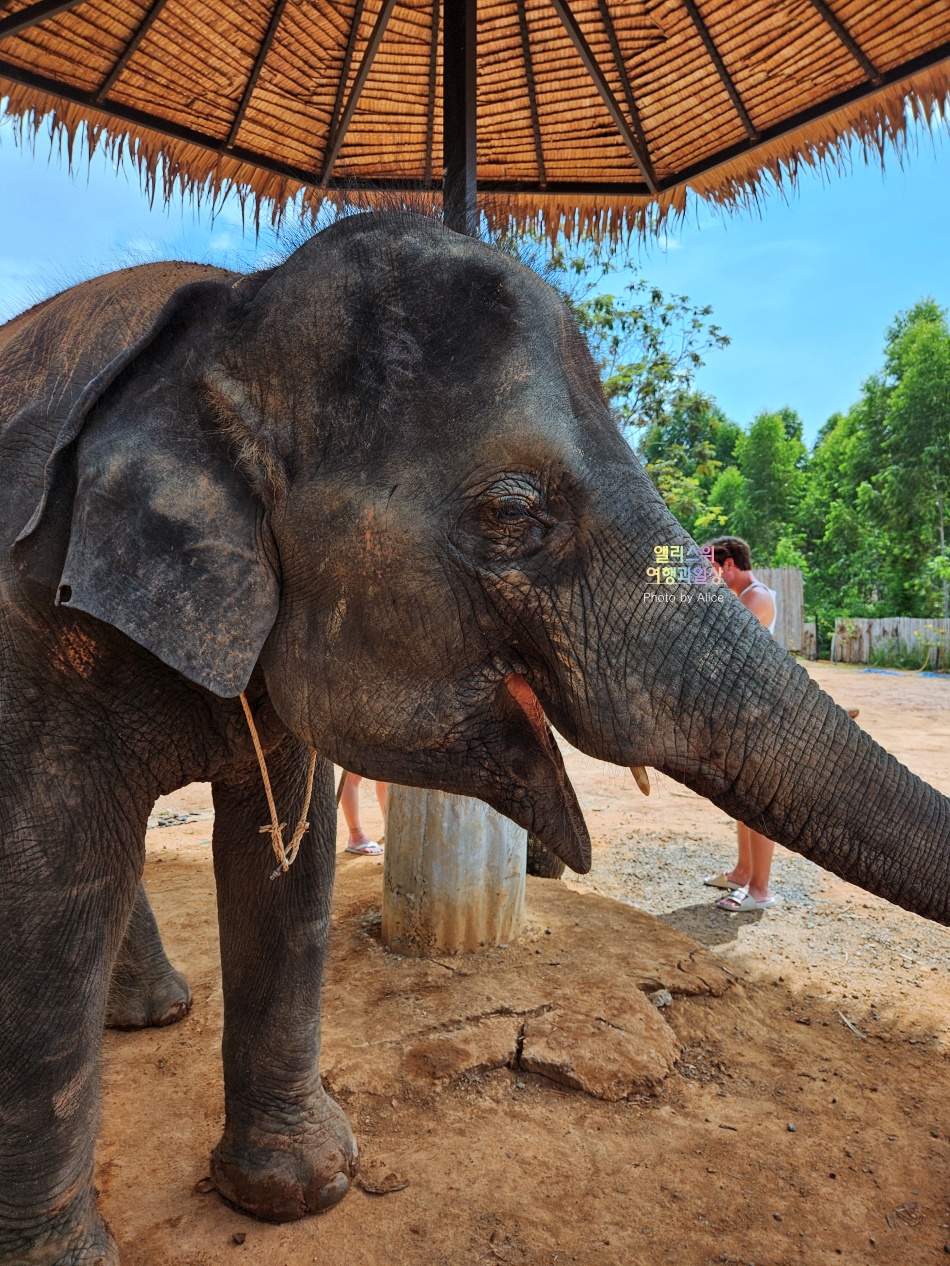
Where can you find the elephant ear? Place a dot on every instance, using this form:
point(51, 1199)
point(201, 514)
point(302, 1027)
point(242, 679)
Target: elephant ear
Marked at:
point(145, 522)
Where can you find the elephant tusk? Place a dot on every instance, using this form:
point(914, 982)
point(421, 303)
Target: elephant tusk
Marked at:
point(642, 778)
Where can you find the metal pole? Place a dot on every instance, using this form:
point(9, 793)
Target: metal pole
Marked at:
point(459, 153)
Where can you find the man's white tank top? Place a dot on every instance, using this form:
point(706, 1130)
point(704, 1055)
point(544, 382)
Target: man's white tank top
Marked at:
point(757, 584)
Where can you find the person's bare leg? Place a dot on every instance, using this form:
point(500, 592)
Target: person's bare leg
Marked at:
point(350, 804)
point(741, 873)
point(761, 850)
point(382, 791)
point(359, 841)
point(754, 866)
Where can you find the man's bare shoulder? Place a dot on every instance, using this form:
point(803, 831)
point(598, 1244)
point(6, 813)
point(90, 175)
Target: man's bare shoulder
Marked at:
point(760, 603)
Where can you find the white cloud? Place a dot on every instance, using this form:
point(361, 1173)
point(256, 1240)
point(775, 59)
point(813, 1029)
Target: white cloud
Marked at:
point(225, 240)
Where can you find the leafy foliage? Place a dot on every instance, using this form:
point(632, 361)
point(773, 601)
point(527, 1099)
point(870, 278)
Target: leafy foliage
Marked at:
point(648, 345)
point(770, 457)
point(874, 514)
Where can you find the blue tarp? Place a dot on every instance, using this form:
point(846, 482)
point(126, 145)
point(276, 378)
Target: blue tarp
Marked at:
point(893, 672)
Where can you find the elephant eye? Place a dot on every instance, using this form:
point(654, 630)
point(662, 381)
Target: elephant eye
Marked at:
point(510, 511)
point(512, 523)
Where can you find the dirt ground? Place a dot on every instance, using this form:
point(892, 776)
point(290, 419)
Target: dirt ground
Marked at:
point(790, 1104)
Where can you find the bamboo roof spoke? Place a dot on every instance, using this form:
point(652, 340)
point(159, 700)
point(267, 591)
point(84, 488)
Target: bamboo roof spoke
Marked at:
point(33, 14)
point(259, 60)
point(714, 56)
point(632, 111)
point(385, 121)
point(847, 39)
point(152, 15)
point(362, 74)
point(532, 91)
point(435, 27)
point(593, 68)
point(344, 74)
point(590, 112)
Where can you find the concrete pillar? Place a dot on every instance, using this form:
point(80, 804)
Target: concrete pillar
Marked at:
point(453, 875)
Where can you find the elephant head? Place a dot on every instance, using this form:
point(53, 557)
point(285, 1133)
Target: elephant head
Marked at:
point(385, 471)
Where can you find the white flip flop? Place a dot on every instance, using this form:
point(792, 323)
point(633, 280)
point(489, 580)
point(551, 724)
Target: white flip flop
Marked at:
point(743, 903)
point(369, 849)
point(721, 881)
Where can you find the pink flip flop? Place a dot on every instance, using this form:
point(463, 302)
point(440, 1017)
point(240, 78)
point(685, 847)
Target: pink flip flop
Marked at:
point(369, 849)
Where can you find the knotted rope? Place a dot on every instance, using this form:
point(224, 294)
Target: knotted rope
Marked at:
point(285, 856)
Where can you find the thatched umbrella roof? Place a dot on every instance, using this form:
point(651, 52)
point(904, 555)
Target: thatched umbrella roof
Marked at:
point(591, 113)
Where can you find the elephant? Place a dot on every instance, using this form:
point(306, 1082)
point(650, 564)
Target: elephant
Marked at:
point(376, 493)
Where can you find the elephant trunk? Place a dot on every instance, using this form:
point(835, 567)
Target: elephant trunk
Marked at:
point(685, 679)
point(777, 753)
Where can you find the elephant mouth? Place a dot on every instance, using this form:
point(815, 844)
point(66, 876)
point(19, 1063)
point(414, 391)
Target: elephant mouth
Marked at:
point(504, 753)
point(554, 813)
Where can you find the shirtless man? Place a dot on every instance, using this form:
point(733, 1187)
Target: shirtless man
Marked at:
point(749, 878)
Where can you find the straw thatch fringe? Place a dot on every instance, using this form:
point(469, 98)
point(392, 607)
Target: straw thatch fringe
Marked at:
point(169, 167)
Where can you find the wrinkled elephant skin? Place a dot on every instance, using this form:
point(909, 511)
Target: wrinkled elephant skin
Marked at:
point(376, 488)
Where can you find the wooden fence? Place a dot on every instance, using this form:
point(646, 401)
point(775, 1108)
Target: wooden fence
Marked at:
point(790, 601)
point(810, 644)
point(856, 639)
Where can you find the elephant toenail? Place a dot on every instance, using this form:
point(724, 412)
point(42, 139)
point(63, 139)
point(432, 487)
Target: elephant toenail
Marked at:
point(333, 1192)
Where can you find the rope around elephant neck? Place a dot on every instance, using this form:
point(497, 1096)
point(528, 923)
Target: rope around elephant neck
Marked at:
point(285, 856)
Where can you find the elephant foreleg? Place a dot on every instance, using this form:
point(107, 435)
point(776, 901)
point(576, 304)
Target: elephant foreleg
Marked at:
point(287, 1149)
point(66, 898)
point(145, 989)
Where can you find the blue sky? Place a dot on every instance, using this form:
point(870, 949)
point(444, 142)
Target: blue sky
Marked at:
point(804, 287)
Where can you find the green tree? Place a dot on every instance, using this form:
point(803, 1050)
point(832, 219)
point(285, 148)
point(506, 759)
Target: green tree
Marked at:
point(872, 517)
point(915, 481)
point(770, 459)
point(684, 453)
point(725, 495)
point(647, 345)
point(681, 492)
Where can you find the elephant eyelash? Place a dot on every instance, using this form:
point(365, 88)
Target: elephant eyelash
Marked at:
point(514, 509)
